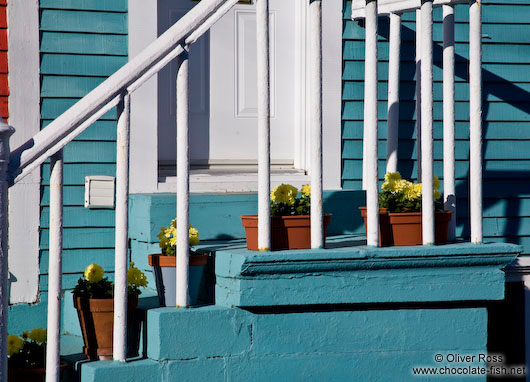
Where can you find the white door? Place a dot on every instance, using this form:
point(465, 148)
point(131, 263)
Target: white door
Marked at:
point(233, 79)
point(223, 99)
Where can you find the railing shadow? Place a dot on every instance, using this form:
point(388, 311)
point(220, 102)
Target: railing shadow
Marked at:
point(494, 85)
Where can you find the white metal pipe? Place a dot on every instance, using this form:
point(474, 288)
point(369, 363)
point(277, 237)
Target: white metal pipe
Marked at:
point(64, 141)
point(122, 227)
point(393, 93)
point(370, 125)
point(315, 73)
point(418, 93)
point(427, 124)
point(183, 179)
point(264, 160)
point(5, 132)
point(449, 115)
point(475, 120)
point(53, 361)
point(113, 86)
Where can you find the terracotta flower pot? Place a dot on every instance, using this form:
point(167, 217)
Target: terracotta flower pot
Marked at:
point(37, 374)
point(406, 227)
point(164, 268)
point(96, 317)
point(385, 230)
point(287, 232)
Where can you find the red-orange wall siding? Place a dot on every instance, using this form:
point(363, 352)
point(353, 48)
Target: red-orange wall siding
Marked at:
point(4, 85)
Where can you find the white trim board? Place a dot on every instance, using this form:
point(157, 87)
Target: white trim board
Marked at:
point(24, 116)
point(144, 119)
point(385, 7)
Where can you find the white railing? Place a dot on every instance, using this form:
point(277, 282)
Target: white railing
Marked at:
point(115, 91)
point(369, 10)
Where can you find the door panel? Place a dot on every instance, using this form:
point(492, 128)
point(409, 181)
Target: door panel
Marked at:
point(223, 87)
point(233, 80)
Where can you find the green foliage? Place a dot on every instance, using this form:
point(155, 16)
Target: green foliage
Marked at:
point(286, 202)
point(32, 355)
point(397, 202)
point(100, 289)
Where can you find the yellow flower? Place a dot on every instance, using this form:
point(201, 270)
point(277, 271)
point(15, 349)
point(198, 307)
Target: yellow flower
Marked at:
point(25, 335)
point(38, 335)
point(413, 192)
point(284, 193)
point(136, 277)
point(392, 176)
point(194, 235)
point(437, 195)
point(14, 344)
point(436, 182)
point(402, 185)
point(306, 190)
point(168, 237)
point(94, 273)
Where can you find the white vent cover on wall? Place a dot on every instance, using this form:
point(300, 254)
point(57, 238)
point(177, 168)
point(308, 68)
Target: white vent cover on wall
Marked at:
point(99, 191)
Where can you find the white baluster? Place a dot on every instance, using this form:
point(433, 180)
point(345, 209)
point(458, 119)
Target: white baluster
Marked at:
point(475, 120)
point(5, 132)
point(449, 115)
point(393, 93)
point(317, 222)
point(53, 360)
point(426, 124)
point(370, 125)
point(418, 93)
point(183, 179)
point(264, 160)
point(122, 226)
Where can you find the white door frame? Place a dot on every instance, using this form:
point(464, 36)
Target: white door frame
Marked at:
point(24, 116)
point(144, 151)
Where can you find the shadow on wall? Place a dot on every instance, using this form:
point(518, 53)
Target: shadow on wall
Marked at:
point(503, 190)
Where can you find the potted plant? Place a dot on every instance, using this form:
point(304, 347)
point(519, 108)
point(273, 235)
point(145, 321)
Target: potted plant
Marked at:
point(27, 356)
point(93, 299)
point(400, 215)
point(290, 219)
point(164, 267)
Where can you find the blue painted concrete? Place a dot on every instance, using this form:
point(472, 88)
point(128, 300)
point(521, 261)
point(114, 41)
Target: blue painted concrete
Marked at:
point(454, 272)
point(222, 344)
point(305, 321)
point(216, 216)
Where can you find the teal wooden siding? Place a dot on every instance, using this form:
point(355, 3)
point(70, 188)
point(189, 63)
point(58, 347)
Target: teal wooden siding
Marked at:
point(506, 115)
point(82, 43)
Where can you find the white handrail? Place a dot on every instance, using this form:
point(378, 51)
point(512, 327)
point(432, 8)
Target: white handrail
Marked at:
point(44, 143)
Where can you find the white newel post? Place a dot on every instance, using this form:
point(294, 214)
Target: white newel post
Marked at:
point(53, 360)
point(393, 93)
point(475, 120)
point(122, 226)
point(370, 125)
point(449, 115)
point(418, 93)
point(315, 73)
point(183, 179)
point(264, 160)
point(427, 123)
point(5, 132)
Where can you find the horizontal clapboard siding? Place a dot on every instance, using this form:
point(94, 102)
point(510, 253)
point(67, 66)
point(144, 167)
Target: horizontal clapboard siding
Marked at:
point(506, 91)
point(82, 43)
